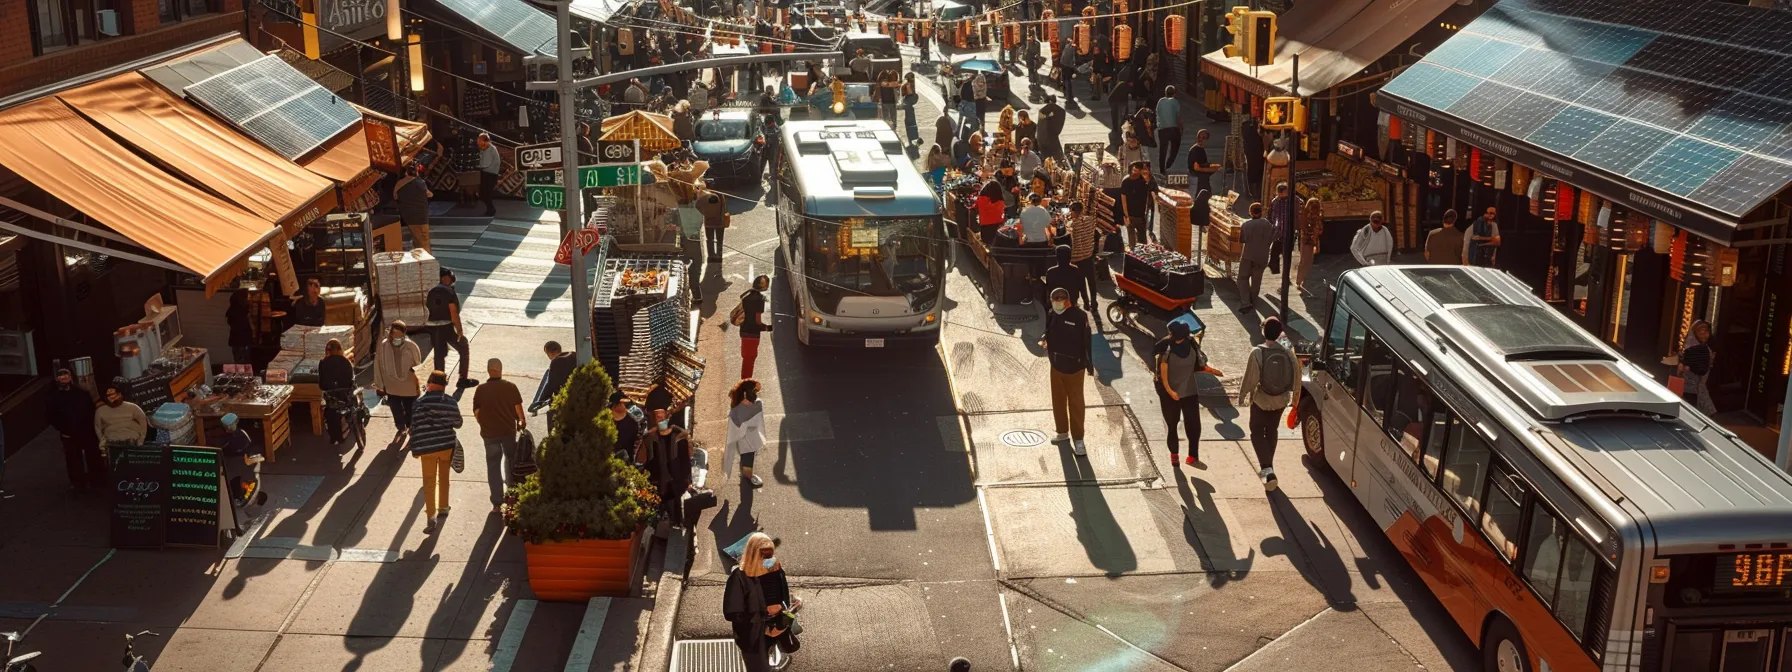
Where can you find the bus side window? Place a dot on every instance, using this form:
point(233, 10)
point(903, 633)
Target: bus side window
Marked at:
point(1543, 552)
point(1560, 566)
point(1505, 510)
point(1407, 413)
point(1379, 373)
point(1464, 461)
point(1345, 344)
point(1441, 421)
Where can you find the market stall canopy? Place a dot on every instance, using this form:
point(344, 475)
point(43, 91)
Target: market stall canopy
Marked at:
point(1335, 40)
point(203, 150)
point(1675, 109)
point(54, 148)
point(515, 23)
point(653, 130)
point(345, 160)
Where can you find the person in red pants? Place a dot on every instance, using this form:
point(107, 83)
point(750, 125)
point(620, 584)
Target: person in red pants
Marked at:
point(753, 304)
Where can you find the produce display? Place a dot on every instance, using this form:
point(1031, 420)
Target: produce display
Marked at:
point(1345, 189)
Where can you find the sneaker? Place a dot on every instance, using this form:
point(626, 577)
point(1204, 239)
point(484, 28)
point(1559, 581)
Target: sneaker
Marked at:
point(429, 525)
point(1061, 437)
point(1192, 461)
point(1269, 480)
point(468, 382)
point(756, 481)
point(444, 514)
point(1078, 447)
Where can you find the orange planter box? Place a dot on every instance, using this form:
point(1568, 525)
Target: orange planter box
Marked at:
point(576, 571)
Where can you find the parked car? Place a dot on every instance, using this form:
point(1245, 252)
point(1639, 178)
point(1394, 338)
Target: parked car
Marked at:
point(994, 75)
point(733, 142)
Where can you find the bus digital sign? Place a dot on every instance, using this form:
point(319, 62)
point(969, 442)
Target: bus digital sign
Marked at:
point(1752, 572)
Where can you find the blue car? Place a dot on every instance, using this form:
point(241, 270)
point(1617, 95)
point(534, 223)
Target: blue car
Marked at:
point(733, 142)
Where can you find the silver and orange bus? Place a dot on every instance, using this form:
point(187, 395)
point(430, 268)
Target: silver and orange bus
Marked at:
point(1567, 510)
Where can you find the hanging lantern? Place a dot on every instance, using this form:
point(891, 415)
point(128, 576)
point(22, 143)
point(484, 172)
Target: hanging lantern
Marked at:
point(1663, 240)
point(1082, 39)
point(1051, 27)
point(1120, 9)
point(1122, 40)
point(1010, 35)
point(1564, 201)
point(1175, 34)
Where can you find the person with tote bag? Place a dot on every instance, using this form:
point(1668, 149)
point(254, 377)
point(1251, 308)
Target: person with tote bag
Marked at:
point(746, 430)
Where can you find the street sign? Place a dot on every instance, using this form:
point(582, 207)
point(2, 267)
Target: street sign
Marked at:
point(616, 151)
point(544, 155)
point(552, 177)
point(611, 176)
point(545, 197)
point(583, 238)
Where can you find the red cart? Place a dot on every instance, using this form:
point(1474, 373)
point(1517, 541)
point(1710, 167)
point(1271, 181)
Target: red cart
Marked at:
point(1136, 297)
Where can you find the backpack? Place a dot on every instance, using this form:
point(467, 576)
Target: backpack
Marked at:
point(1163, 352)
point(1275, 371)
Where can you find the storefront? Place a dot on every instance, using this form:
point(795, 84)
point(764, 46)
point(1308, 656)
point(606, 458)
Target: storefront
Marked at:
point(1639, 163)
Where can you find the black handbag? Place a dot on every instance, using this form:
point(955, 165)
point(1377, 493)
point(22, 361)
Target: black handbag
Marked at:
point(524, 464)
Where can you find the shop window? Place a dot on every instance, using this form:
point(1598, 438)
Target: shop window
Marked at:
point(49, 20)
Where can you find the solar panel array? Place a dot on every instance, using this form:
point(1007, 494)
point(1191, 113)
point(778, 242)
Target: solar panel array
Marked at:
point(277, 105)
point(518, 24)
point(1691, 97)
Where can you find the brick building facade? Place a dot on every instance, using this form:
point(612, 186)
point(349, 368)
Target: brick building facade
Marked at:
point(26, 64)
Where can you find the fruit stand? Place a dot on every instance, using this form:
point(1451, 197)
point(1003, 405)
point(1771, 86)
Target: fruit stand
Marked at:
point(1352, 186)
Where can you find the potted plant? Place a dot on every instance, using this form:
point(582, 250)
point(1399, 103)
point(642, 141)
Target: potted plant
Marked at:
point(581, 514)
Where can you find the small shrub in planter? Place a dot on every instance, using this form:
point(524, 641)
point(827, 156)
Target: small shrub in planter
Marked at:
point(582, 491)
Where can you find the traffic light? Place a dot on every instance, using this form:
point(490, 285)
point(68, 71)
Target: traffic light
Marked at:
point(1284, 113)
point(1253, 36)
point(1235, 24)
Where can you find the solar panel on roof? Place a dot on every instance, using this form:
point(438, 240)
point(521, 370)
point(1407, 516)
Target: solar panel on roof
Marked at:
point(277, 105)
point(519, 25)
point(1690, 97)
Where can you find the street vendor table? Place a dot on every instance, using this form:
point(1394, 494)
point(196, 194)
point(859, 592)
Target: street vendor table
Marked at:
point(313, 398)
point(272, 408)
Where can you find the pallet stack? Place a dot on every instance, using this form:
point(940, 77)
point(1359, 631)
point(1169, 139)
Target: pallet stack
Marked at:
point(401, 280)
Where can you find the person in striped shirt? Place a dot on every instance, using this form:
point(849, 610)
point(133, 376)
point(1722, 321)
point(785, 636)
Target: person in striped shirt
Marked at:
point(433, 422)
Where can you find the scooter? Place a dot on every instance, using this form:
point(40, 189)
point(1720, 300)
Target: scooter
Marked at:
point(22, 662)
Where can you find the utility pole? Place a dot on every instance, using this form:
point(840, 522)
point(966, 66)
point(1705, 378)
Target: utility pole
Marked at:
point(1292, 139)
point(570, 195)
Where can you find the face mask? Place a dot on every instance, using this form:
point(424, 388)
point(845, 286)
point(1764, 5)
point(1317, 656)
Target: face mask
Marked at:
point(1059, 307)
point(397, 340)
point(665, 424)
point(770, 562)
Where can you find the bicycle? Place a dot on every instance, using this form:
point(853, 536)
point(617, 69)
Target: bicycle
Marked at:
point(132, 661)
point(22, 663)
point(345, 405)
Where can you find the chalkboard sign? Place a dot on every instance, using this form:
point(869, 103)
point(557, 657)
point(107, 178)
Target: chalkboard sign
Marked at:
point(195, 496)
point(139, 496)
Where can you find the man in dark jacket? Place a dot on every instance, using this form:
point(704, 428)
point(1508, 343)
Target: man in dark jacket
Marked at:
point(445, 327)
point(666, 455)
point(1066, 346)
point(336, 380)
point(1051, 129)
point(560, 366)
point(1073, 278)
point(433, 422)
point(412, 194)
point(71, 413)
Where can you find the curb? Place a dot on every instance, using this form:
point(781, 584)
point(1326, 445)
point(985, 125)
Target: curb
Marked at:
point(656, 652)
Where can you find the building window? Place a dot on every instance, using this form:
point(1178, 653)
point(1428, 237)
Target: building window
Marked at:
point(51, 20)
point(175, 11)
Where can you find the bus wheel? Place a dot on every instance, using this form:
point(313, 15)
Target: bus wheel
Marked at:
point(1502, 650)
point(1312, 428)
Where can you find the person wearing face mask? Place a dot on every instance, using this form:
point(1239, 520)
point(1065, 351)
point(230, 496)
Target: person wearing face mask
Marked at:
point(395, 375)
point(1066, 345)
point(748, 600)
point(746, 429)
point(1179, 360)
point(629, 421)
point(119, 421)
point(71, 413)
point(1373, 245)
point(666, 454)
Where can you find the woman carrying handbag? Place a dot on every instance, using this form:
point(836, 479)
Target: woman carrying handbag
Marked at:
point(753, 602)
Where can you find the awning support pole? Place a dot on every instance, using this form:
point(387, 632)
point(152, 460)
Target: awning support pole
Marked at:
point(83, 228)
point(97, 249)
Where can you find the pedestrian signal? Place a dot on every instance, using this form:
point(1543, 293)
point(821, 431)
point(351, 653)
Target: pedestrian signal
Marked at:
point(1253, 36)
point(1235, 24)
point(1284, 113)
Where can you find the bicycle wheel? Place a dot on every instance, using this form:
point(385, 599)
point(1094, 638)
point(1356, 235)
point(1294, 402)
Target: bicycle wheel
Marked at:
point(360, 432)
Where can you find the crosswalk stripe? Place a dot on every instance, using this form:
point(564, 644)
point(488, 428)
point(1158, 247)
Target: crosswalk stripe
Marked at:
point(511, 641)
point(590, 629)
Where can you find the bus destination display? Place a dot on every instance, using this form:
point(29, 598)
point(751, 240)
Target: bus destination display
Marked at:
point(1769, 571)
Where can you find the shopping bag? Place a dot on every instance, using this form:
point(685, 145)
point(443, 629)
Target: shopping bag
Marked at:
point(459, 460)
point(1293, 416)
point(1677, 385)
point(524, 465)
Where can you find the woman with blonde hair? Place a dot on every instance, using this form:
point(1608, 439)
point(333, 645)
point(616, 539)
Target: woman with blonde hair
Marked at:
point(749, 605)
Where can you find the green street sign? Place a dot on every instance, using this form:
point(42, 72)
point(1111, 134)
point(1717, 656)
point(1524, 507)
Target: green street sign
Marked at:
point(545, 197)
point(610, 176)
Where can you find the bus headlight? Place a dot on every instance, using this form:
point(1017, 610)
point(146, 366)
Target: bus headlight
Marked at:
point(814, 319)
point(931, 318)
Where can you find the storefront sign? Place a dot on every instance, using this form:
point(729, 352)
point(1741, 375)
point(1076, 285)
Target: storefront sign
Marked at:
point(139, 496)
point(1686, 215)
point(1350, 150)
point(167, 495)
point(357, 19)
point(546, 197)
point(382, 144)
point(196, 496)
point(539, 156)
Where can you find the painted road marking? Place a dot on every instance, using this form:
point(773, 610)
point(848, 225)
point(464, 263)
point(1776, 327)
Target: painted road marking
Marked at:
point(590, 629)
point(511, 641)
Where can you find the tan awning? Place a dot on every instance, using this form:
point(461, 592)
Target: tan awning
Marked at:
point(344, 159)
point(60, 152)
point(204, 150)
point(1335, 40)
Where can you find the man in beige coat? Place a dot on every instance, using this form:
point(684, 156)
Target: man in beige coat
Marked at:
point(395, 375)
point(119, 421)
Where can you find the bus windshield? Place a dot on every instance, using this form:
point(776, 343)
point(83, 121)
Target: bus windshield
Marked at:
point(875, 257)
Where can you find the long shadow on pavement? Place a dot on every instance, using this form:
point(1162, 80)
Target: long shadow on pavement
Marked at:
point(1199, 510)
point(1096, 529)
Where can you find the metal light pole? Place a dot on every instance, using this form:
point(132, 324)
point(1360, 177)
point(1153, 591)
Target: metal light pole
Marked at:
point(570, 196)
point(1289, 236)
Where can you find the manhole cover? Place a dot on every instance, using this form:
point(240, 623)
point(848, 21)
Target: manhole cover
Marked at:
point(1023, 438)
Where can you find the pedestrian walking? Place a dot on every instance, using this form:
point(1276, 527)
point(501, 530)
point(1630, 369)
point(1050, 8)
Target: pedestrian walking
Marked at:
point(980, 93)
point(1179, 359)
point(412, 195)
point(1026, 131)
point(970, 116)
point(1483, 243)
point(888, 84)
point(1086, 234)
point(395, 375)
point(630, 421)
point(1068, 71)
point(1070, 277)
point(498, 408)
point(1696, 360)
point(1373, 245)
point(1135, 201)
point(434, 421)
point(1445, 244)
point(753, 304)
point(715, 222)
point(445, 330)
point(910, 96)
point(748, 606)
point(1169, 129)
point(71, 413)
point(1200, 167)
point(560, 366)
point(1117, 99)
point(666, 455)
point(490, 165)
point(1271, 383)
point(1066, 345)
point(746, 429)
point(1256, 236)
point(336, 382)
point(1281, 215)
point(1312, 231)
point(119, 421)
point(1131, 150)
point(1141, 125)
point(1051, 129)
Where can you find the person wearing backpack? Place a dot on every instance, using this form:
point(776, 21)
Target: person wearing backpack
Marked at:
point(1271, 383)
point(1179, 358)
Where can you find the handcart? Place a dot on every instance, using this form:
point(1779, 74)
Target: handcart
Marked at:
point(1136, 297)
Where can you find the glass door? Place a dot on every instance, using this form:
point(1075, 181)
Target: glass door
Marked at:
point(1746, 650)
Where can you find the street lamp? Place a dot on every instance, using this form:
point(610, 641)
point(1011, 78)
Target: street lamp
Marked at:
point(416, 55)
point(394, 24)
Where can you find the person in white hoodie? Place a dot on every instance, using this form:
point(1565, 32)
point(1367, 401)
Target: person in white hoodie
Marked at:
point(1373, 244)
point(746, 429)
